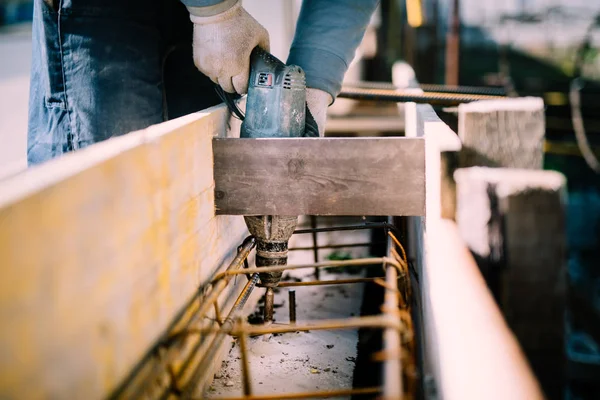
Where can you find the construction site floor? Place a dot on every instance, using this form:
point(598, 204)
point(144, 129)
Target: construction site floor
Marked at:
point(301, 361)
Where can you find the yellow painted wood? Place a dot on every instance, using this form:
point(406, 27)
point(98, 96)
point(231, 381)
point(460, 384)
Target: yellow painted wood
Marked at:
point(99, 249)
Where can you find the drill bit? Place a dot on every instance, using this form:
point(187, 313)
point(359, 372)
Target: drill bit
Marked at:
point(269, 302)
point(272, 234)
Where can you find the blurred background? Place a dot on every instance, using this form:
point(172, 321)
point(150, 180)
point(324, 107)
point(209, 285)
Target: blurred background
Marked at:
point(543, 48)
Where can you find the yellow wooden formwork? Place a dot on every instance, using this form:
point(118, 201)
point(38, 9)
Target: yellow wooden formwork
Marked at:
point(90, 279)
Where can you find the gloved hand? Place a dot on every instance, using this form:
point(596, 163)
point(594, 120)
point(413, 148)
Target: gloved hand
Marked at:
point(317, 101)
point(223, 42)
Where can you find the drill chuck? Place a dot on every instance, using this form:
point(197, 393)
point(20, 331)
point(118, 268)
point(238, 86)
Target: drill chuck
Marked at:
point(272, 234)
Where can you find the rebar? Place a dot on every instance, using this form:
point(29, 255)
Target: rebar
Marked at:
point(334, 246)
point(371, 321)
point(269, 304)
point(326, 264)
point(315, 249)
point(292, 306)
point(392, 369)
point(213, 346)
point(426, 87)
point(369, 225)
point(192, 376)
point(325, 283)
point(243, 340)
point(402, 96)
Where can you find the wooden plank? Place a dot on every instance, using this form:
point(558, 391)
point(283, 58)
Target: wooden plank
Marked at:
point(514, 223)
point(320, 176)
point(469, 352)
point(98, 251)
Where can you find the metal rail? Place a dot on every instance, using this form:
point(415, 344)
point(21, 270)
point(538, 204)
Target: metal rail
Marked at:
point(409, 95)
point(192, 376)
point(427, 87)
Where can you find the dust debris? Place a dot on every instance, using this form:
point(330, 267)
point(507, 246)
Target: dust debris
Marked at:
point(329, 346)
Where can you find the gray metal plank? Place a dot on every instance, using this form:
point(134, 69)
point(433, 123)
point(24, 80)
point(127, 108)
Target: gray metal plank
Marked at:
point(320, 176)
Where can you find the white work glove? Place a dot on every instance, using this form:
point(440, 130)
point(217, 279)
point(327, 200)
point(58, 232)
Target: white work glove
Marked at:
point(223, 42)
point(317, 101)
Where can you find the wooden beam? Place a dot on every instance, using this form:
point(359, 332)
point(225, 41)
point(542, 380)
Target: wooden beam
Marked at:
point(469, 352)
point(514, 223)
point(506, 133)
point(98, 251)
point(320, 176)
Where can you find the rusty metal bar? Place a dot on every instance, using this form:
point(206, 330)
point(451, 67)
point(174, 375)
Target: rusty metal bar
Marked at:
point(140, 377)
point(370, 225)
point(193, 379)
point(246, 291)
point(217, 313)
point(309, 395)
point(373, 321)
point(426, 87)
point(292, 305)
point(269, 305)
point(406, 95)
point(392, 345)
point(315, 249)
point(211, 347)
point(326, 264)
point(323, 283)
point(220, 284)
point(390, 323)
point(333, 246)
point(392, 339)
point(243, 340)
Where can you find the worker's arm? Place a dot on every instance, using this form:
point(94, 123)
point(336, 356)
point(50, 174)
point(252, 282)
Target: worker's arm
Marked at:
point(224, 36)
point(327, 35)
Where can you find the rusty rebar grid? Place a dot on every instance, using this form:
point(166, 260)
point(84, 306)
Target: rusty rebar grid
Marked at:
point(192, 375)
point(388, 320)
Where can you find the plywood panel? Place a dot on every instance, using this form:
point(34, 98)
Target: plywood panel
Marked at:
point(99, 249)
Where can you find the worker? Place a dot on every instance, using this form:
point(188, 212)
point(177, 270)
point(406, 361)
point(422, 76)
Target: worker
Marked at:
point(102, 68)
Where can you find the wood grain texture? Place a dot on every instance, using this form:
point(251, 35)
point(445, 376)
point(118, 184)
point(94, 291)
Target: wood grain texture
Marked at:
point(505, 133)
point(321, 176)
point(99, 249)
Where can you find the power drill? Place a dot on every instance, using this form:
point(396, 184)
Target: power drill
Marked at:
point(275, 107)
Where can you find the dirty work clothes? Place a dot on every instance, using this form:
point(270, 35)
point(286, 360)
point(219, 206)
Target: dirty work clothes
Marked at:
point(102, 68)
point(327, 35)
